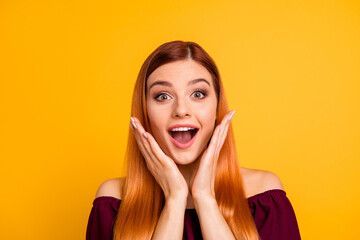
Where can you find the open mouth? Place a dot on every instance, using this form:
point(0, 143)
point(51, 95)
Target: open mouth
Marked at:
point(183, 137)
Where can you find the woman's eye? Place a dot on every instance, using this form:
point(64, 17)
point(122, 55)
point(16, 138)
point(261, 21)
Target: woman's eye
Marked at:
point(162, 97)
point(199, 94)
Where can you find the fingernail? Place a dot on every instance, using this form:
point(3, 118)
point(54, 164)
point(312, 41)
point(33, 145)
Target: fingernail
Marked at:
point(232, 116)
point(133, 123)
point(131, 126)
point(144, 133)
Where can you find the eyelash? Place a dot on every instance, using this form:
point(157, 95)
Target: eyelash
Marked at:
point(200, 91)
point(204, 93)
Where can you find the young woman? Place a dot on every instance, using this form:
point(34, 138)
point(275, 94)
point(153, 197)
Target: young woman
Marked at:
point(183, 176)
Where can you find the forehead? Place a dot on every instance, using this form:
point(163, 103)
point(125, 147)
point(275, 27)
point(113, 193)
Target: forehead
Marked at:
point(179, 72)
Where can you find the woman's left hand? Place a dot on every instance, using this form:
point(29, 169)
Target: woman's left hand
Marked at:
point(203, 179)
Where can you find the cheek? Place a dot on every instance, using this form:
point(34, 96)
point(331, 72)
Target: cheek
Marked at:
point(208, 117)
point(157, 122)
point(207, 114)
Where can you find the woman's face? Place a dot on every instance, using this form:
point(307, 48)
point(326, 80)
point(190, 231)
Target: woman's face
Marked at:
point(181, 104)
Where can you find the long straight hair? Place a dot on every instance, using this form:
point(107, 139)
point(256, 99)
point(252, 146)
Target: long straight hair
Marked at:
point(142, 197)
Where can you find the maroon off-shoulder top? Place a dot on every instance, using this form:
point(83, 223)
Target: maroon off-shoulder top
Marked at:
point(272, 211)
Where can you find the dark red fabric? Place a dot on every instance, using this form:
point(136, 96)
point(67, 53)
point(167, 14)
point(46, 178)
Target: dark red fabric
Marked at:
point(272, 211)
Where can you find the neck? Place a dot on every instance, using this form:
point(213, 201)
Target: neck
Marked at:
point(187, 171)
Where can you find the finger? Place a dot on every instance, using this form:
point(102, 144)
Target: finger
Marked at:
point(214, 139)
point(151, 162)
point(207, 160)
point(227, 118)
point(217, 133)
point(220, 138)
point(145, 154)
point(219, 141)
point(156, 150)
point(141, 143)
point(144, 136)
point(223, 134)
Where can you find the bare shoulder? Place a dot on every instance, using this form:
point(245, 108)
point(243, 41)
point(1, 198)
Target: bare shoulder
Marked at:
point(257, 181)
point(111, 187)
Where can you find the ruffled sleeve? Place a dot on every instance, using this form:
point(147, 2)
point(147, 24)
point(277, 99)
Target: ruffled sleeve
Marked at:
point(102, 217)
point(274, 216)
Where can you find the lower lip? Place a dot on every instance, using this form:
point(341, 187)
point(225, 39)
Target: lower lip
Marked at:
point(183, 145)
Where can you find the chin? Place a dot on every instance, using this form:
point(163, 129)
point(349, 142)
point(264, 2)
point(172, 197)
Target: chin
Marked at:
point(184, 160)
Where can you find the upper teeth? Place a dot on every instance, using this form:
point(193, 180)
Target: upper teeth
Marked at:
point(182, 129)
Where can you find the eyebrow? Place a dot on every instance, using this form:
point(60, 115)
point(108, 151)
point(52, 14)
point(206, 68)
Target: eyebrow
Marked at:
point(168, 84)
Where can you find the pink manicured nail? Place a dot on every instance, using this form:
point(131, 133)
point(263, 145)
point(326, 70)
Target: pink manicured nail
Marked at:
point(144, 133)
point(232, 116)
point(133, 123)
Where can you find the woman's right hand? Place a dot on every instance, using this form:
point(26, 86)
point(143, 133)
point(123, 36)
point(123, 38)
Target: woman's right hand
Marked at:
point(162, 167)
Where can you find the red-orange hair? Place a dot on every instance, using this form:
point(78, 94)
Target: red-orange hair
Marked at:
point(142, 197)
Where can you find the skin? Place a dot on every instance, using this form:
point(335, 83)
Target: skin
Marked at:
point(181, 101)
point(186, 176)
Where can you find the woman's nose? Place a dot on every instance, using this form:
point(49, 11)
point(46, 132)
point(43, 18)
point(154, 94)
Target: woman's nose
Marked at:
point(181, 109)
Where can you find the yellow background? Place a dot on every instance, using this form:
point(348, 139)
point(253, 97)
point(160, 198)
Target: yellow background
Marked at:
point(291, 70)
